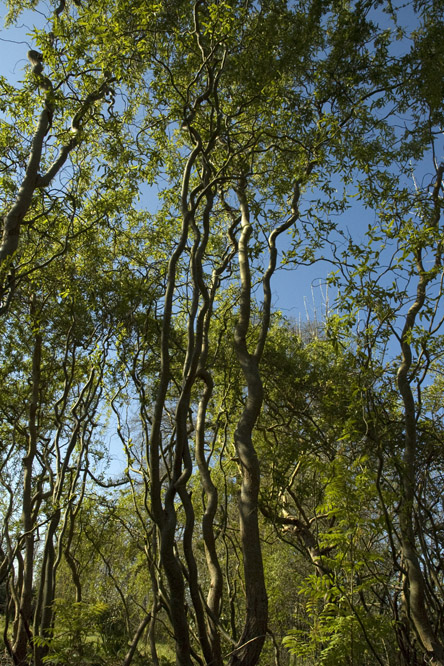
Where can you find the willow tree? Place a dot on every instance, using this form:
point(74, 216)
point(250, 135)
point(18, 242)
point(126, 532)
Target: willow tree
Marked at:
point(396, 287)
point(246, 106)
point(392, 292)
point(240, 113)
point(52, 370)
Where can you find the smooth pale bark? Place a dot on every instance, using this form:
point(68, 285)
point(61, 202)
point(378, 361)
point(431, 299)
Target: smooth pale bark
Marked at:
point(250, 644)
point(214, 596)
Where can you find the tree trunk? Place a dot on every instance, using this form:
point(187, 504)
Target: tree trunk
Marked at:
point(23, 636)
point(252, 638)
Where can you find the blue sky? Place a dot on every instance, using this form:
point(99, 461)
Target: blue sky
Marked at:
point(14, 44)
point(300, 292)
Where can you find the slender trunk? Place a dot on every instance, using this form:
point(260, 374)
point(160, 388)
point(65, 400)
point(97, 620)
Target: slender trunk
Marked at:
point(165, 516)
point(415, 597)
point(32, 181)
point(155, 605)
point(252, 638)
point(214, 596)
point(70, 559)
point(137, 636)
point(24, 620)
point(250, 644)
point(415, 584)
point(44, 613)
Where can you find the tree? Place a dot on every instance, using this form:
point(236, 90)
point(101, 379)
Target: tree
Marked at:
point(40, 175)
point(57, 362)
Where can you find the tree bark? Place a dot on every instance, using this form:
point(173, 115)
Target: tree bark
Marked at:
point(250, 644)
point(22, 638)
point(415, 583)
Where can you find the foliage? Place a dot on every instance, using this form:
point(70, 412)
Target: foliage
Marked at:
point(83, 634)
point(153, 160)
